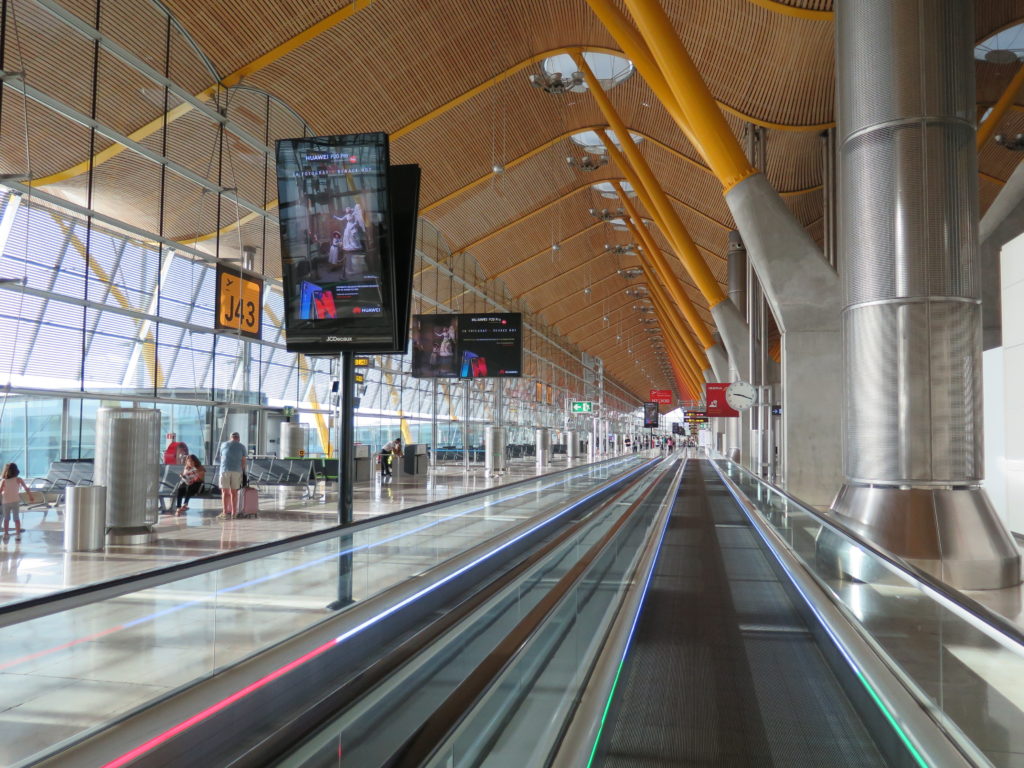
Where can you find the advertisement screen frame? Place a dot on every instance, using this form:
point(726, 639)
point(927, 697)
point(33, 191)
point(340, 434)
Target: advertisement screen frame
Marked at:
point(652, 415)
point(444, 347)
point(336, 243)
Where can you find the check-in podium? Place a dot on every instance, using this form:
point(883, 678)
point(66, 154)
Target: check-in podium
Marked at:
point(414, 459)
point(363, 465)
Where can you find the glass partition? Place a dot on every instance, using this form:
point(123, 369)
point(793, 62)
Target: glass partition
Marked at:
point(967, 670)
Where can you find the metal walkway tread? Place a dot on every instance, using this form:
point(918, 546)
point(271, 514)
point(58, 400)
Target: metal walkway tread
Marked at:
point(722, 670)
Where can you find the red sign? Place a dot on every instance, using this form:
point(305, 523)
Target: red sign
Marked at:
point(715, 395)
point(663, 396)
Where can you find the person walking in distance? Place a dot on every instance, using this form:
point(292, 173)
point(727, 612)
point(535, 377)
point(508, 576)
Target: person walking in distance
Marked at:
point(232, 465)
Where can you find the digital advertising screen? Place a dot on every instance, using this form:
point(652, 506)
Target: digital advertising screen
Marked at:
point(490, 345)
point(336, 258)
point(651, 414)
point(468, 346)
point(434, 346)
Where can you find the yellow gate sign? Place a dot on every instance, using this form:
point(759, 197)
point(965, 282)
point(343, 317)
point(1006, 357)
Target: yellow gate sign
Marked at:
point(239, 302)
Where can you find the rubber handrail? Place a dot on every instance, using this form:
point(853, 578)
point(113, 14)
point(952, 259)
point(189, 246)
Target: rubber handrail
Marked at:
point(907, 570)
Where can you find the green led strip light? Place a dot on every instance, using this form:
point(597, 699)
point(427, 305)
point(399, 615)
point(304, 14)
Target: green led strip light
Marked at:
point(918, 757)
point(604, 715)
point(892, 721)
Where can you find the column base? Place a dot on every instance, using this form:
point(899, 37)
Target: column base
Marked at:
point(954, 535)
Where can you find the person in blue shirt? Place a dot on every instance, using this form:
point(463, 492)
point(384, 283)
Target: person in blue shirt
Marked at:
point(232, 465)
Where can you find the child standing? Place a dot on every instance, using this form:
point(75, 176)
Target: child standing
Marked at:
point(10, 495)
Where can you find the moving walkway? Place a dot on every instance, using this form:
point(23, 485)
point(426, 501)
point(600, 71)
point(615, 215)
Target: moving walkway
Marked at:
point(635, 612)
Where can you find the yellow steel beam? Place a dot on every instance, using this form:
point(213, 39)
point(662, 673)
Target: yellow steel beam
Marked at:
point(660, 296)
point(656, 266)
point(649, 190)
point(234, 78)
point(670, 333)
point(1008, 96)
point(716, 140)
point(680, 241)
point(149, 355)
point(797, 13)
point(323, 433)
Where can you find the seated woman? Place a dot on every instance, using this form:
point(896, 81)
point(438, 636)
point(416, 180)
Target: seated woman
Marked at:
point(190, 484)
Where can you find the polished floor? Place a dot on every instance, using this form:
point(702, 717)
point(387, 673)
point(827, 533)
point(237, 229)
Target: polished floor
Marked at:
point(37, 564)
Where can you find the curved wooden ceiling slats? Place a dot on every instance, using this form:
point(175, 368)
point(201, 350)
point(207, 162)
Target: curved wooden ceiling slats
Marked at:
point(774, 66)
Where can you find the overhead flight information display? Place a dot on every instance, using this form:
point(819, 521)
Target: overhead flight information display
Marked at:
point(468, 346)
point(336, 260)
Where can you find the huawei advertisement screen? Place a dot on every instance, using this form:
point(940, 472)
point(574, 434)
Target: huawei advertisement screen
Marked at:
point(337, 275)
point(468, 346)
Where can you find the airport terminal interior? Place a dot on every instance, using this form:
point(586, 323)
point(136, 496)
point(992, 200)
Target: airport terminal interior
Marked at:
point(511, 383)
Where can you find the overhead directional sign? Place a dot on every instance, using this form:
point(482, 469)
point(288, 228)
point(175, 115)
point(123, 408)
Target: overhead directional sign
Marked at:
point(582, 406)
point(662, 396)
point(239, 300)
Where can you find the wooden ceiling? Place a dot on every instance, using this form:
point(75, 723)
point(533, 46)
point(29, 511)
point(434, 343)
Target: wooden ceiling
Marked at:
point(449, 80)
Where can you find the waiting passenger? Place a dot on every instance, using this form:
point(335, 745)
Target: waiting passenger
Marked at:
point(191, 483)
point(176, 452)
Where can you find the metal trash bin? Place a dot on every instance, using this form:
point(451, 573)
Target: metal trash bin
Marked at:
point(85, 518)
point(494, 447)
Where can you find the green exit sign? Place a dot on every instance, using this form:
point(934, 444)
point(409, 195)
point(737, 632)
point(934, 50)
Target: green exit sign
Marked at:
point(582, 406)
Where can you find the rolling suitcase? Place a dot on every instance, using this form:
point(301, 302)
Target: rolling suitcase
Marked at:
point(248, 502)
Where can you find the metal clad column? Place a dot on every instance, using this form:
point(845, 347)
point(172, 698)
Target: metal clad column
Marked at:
point(908, 211)
point(738, 430)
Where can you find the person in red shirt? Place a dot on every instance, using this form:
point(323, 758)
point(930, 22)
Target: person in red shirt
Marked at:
point(176, 452)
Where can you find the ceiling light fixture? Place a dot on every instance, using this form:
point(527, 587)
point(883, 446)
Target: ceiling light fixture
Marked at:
point(587, 163)
point(557, 83)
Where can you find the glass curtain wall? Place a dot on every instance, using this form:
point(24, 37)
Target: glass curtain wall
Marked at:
point(128, 171)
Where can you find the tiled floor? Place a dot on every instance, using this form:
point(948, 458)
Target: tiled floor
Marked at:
point(37, 564)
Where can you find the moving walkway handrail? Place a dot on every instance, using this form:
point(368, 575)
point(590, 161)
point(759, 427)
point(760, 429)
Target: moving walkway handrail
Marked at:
point(584, 724)
point(922, 727)
point(45, 605)
point(443, 722)
point(297, 731)
point(230, 681)
point(960, 603)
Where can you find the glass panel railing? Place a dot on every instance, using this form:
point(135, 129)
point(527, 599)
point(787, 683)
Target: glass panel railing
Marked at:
point(74, 671)
point(520, 720)
point(961, 664)
point(369, 731)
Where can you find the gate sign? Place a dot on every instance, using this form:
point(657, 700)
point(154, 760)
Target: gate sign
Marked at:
point(581, 406)
point(663, 396)
point(239, 300)
point(715, 397)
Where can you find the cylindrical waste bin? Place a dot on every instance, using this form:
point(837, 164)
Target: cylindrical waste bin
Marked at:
point(293, 440)
point(494, 449)
point(543, 437)
point(128, 465)
point(85, 518)
point(572, 445)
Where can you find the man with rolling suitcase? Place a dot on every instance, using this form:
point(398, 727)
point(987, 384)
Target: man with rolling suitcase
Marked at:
point(232, 465)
